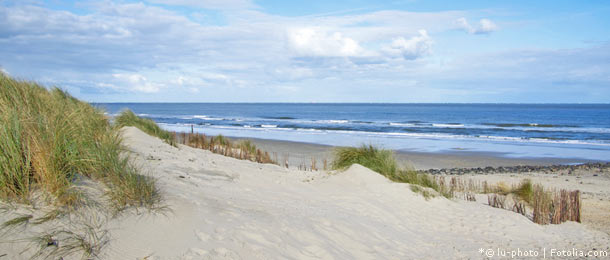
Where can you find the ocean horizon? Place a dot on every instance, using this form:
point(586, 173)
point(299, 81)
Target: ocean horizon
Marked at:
point(579, 131)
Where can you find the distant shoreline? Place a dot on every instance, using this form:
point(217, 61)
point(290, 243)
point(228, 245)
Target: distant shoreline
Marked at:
point(518, 130)
point(303, 152)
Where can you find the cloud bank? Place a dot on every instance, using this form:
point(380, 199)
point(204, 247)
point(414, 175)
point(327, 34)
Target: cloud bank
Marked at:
point(150, 51)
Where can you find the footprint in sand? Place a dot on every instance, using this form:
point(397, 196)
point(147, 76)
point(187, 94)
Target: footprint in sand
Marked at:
point(316, 251)
point(221, 251)
point(219, 233)
point(196, 252)
point(203, 237)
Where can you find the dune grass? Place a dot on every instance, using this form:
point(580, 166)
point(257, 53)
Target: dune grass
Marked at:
point(244, 150)
point(524, 190)
point(379, 160)
point(49, 138)
point(128, 118)
point(548, 206)
point(383, 162)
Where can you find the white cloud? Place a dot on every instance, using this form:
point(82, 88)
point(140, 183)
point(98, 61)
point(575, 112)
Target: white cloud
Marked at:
point(117, 48)
point(319, 42)
point(485, 26)
point(209, 4)
point(137, 82)
point(412, 48)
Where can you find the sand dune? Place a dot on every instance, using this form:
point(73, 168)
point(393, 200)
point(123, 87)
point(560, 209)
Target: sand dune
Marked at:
point(223, 208)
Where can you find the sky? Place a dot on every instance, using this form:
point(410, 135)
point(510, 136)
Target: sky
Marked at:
point(400, 51)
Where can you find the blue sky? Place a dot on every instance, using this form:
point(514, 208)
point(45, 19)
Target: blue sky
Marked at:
point(312, 51)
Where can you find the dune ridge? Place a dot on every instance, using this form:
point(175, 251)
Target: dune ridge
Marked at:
point(224, 208)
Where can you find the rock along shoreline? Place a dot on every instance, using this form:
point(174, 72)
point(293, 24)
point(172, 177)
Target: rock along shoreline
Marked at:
point(550, 169)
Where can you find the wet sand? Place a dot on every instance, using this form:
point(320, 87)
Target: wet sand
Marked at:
point(298, 153)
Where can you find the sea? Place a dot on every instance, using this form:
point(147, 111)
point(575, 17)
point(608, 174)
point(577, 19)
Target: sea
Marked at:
point(577, 131)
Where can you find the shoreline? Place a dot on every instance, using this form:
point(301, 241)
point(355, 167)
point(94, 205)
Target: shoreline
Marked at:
point(303, 152)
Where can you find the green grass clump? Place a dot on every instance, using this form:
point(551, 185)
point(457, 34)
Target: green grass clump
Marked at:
point(49, 138)
point(379, 160)
point(128, 118)
point(221, 140)
point(525, 191)
point(247, 146)
point(383, 162)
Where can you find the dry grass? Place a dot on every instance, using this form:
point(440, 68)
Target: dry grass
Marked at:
point(128, 118)
point(244, 150)
point(82, 238)
point(20, 221)
point(548, 206)
point(552, 207)
point(48, 137)
point(496, 201)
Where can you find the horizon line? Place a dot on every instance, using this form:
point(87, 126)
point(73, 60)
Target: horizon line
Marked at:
point(389, 103)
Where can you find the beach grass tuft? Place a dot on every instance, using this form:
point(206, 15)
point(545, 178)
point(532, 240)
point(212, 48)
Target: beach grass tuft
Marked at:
point(48, 138)
point(128, 118)
point(383, 162)
point(379, 160)
point(17, 221)
point(243, 150)
point(548, 206)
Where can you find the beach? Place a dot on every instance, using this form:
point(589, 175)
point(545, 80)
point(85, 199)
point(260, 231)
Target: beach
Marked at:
point(214, 129)
point(223, 208)
point(299, 153)
point(232, 209)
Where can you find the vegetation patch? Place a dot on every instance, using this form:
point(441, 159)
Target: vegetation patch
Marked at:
point(128, 118)
point(49, 138)
point(379, 160)
point(547, 206)
point(383, 162)
point(243, 150)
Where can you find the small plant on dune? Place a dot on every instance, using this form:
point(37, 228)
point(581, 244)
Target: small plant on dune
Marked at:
point(22, 220)
point(379, 160)
point(525, 190)
point(247, 145)
point(221, 140)
point(244, 150)
point(423, 191)
point(383, 162)
point(128, 118)
point(84, 238)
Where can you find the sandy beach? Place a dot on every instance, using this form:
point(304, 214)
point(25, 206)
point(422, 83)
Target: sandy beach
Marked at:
point(301, 153)
point(248, 129)
point(223, 208)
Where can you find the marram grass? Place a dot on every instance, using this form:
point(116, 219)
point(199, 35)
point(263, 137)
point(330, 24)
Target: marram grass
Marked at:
point(383, 162)
point(128, 118)
point(379, 160)
point(48, 138)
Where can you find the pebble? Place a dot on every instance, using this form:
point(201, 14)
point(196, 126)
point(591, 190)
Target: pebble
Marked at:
point(521, 169)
